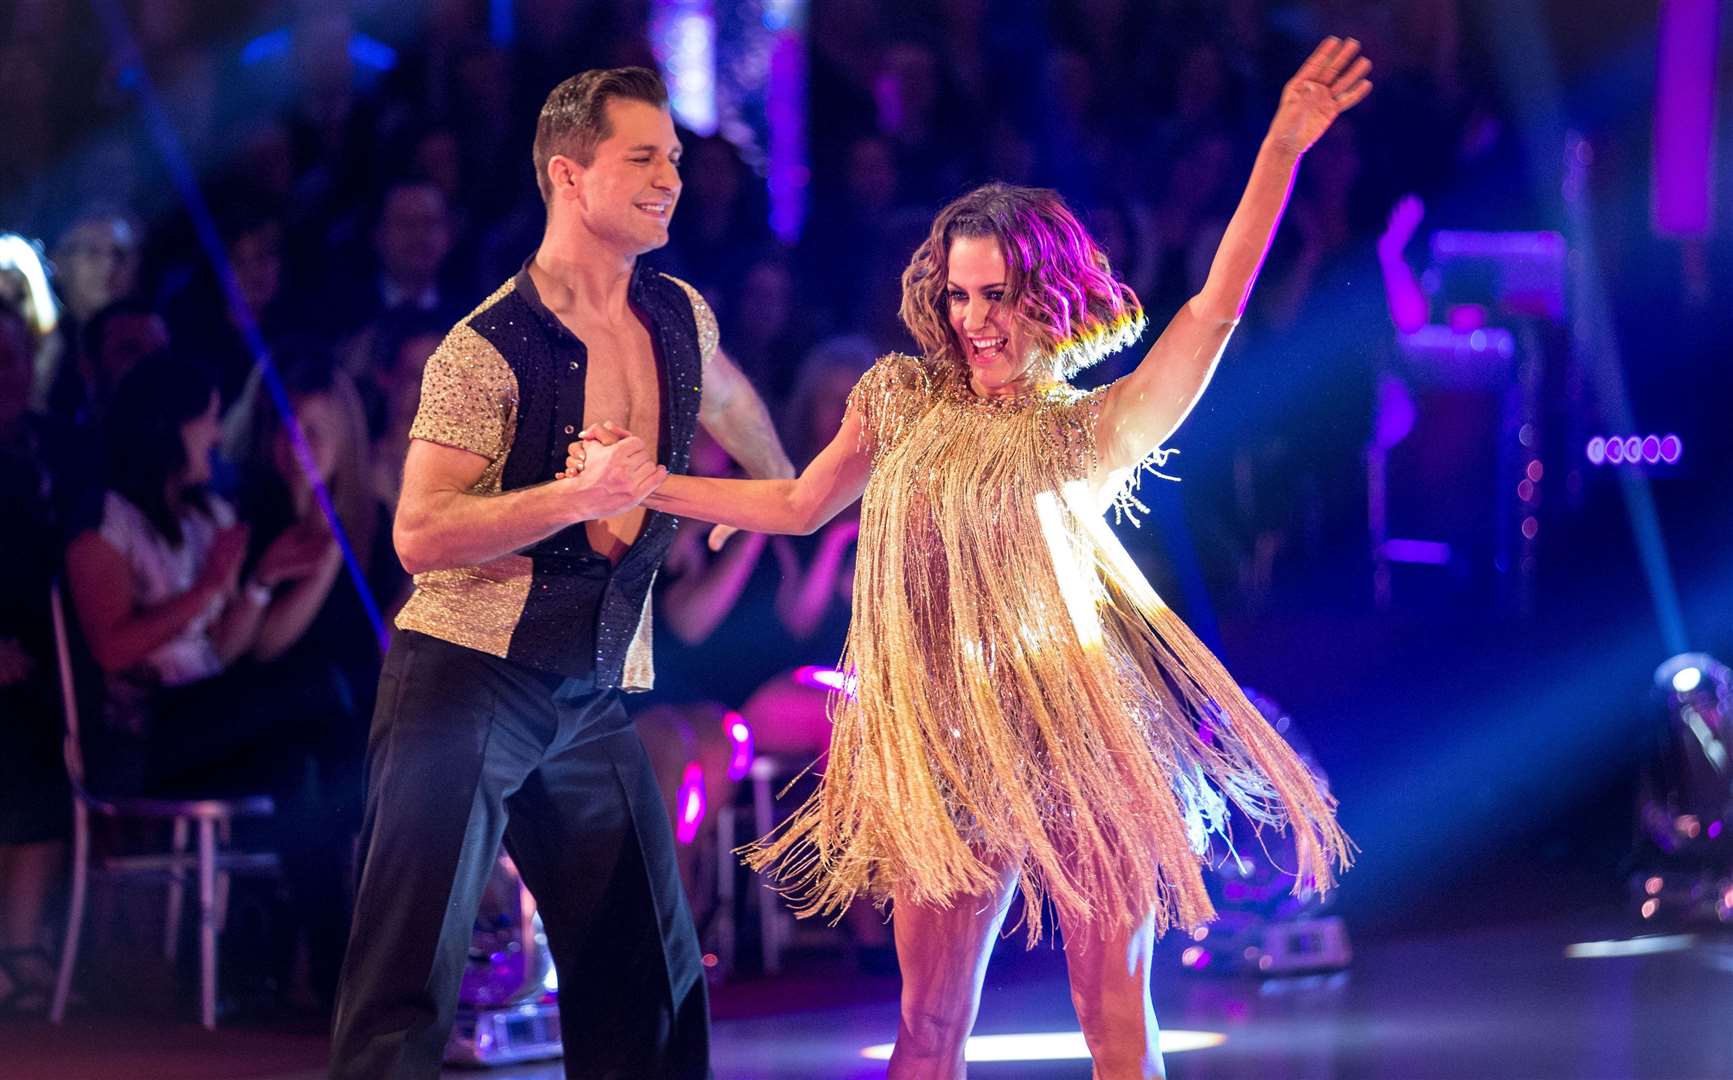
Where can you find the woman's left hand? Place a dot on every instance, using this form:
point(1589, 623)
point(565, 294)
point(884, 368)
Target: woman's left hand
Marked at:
point(1328, 84)
point(301, 551)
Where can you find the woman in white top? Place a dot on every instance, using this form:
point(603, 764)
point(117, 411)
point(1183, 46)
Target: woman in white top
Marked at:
point(162, 603)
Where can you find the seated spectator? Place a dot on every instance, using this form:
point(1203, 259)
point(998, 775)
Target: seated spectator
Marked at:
point(204, 324)
point(178, 624)
point(162, 604)
point(327, 627)
point(317, 636)
point(113, 340)
point(33, 793)
point(390, 387)
point(24, 286)
point(96, 261)
point(410, 239)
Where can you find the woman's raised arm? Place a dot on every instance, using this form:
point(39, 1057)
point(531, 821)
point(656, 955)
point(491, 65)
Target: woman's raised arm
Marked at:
point(1143, 409)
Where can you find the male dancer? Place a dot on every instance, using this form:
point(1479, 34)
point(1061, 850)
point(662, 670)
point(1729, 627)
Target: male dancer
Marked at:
point(499, 707)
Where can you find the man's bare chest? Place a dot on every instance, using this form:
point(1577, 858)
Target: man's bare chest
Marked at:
point(621, 381)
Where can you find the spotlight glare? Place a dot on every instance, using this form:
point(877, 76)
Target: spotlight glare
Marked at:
point(1651, 449)
point(1055, 1046)
point(1687, 679)
point(1633, 448)
point(1597, 450)
point(1637, 946)
point(1671, 448)
point(1615, 450)
point(691, 803)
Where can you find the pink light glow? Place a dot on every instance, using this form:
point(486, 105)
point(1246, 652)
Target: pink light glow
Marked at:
point(822, 677)
point(1671, 448)
point(690, 803)
point(739, 745)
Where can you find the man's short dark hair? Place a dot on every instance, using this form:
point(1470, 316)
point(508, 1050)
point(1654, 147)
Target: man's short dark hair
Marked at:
point(574, 118)
point(93, 337)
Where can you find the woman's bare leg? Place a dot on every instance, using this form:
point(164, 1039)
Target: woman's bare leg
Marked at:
point(943, 956)
point(1110, 989)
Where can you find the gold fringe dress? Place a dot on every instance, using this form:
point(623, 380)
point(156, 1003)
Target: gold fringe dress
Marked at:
point(1016, 694)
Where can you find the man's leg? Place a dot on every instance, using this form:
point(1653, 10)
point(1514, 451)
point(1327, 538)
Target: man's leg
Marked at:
point(453, 735)
point(592, 840)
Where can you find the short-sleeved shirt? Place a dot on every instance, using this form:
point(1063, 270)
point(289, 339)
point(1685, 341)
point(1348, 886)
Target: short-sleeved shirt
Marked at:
point(162, 571)
point(507, 384)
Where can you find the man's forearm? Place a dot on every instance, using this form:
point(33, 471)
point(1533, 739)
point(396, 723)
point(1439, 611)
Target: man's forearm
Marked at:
point(447, 529)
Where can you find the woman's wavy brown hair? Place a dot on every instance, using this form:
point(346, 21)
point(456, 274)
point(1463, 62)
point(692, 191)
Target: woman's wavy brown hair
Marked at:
point(1060, 284)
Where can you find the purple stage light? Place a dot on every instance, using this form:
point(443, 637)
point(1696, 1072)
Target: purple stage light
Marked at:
point(1651, 449)
point(690, 803)
point(739, 745)
point(1671, 448)
point(1530, 527)
point(1615, 450)
point(1684, 147)
point(1633, 449)
point(1430, 552)
point(1597, 450)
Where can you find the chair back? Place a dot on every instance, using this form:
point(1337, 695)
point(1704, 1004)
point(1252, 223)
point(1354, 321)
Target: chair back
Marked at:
point(71, 748)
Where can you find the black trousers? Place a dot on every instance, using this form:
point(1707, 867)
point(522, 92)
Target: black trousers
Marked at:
point(466, 749)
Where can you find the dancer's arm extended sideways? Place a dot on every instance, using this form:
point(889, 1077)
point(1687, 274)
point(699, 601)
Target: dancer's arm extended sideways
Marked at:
point(836, 478)
point(1145, 407)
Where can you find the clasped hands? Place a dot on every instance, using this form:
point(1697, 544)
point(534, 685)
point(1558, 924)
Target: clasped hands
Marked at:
point(617, 469)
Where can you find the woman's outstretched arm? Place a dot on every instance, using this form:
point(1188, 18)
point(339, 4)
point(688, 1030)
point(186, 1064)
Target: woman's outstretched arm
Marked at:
point(1143, 409)
point(836, 478)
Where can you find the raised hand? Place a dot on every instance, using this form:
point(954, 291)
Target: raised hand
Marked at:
point(1405, 219)
point(1328, 84)
point(610, 470)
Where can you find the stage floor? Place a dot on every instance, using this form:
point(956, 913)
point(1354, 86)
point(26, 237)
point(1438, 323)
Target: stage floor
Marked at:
point(1492, 1005)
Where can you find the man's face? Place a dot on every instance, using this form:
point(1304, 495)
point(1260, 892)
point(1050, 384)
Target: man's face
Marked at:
point(127, 339)
point(414, 234)
point(97, 263)
point(626, 196)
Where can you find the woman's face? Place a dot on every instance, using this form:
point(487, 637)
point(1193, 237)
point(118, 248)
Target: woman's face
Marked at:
point(998, 348)
point(199, 436)
point(321, 426)
point(257, 259)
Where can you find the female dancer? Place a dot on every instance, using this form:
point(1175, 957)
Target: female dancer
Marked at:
point(1021, 705)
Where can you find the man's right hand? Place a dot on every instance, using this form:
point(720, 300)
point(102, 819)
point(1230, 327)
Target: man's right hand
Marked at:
point(610, 471)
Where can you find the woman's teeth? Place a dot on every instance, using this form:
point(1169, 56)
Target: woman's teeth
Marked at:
point(987, 347)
